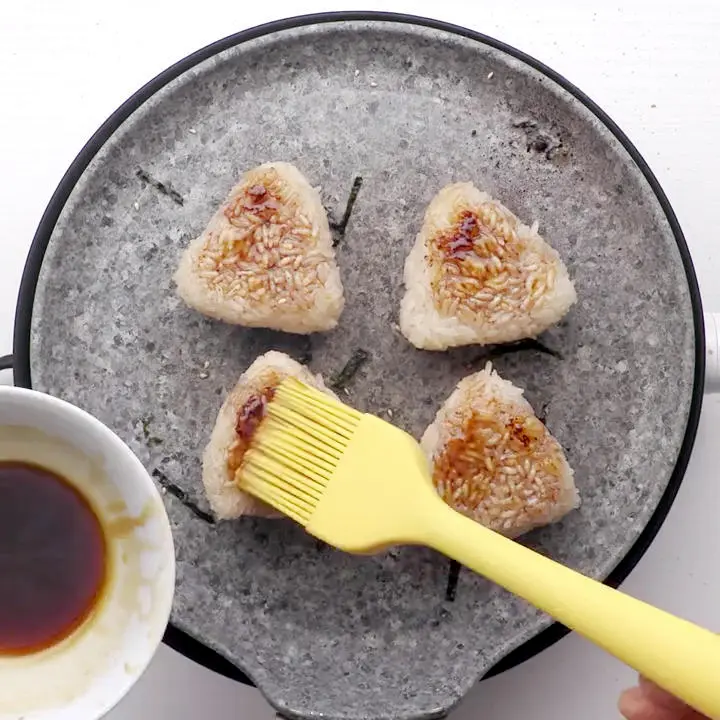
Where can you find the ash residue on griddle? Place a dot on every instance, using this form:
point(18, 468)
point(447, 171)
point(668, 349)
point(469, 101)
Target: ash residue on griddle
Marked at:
point(546, 142)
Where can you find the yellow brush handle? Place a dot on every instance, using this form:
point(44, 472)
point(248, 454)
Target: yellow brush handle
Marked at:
point(682, 658)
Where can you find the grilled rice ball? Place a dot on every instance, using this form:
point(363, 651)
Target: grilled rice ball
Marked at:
point(477, 275)
point(266, 258)
point(239, 417)
point(494, 461)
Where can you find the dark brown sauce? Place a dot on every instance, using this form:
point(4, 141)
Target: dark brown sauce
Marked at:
point(460, 241)
point(264, 205)
point(247, 421)
point(52, 558)
point(252, 413)
point(257, 200)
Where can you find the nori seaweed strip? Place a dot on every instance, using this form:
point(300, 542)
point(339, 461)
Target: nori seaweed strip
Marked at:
point(529, 344)
point(342, 379)
point(151, 440)
point(163, 188)
point(181, 495)
point(304, 354)
point(452, 582)
point(339, 228)
point(542, 415)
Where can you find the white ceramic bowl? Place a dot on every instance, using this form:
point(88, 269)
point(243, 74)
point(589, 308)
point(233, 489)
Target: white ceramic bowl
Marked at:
point(86, 674)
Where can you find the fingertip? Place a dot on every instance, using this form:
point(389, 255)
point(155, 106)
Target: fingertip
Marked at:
point(663, 700)
point(648, 702)
point(633, 705)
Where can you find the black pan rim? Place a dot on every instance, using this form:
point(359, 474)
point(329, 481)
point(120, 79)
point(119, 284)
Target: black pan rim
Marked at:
point(177, 639)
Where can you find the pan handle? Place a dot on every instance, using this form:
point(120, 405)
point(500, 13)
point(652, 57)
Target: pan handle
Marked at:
point(6, 362)
point(712, 352)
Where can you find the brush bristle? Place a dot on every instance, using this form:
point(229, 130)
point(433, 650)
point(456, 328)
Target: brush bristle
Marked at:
point(296, 449)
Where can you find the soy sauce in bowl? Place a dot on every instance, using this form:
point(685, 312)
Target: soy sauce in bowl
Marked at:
point(52, 558)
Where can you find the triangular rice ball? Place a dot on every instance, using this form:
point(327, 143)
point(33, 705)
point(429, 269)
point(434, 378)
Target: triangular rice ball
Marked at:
point(266, 258)
point(477, 275)
point(494, 461)
point(239, 417)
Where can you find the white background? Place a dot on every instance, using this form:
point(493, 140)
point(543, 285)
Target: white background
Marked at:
point(653, 66)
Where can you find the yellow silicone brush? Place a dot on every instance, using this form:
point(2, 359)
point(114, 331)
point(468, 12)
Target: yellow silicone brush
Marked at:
point(361, 484)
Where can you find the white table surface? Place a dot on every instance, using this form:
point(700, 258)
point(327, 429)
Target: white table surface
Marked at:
point(653, 66)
